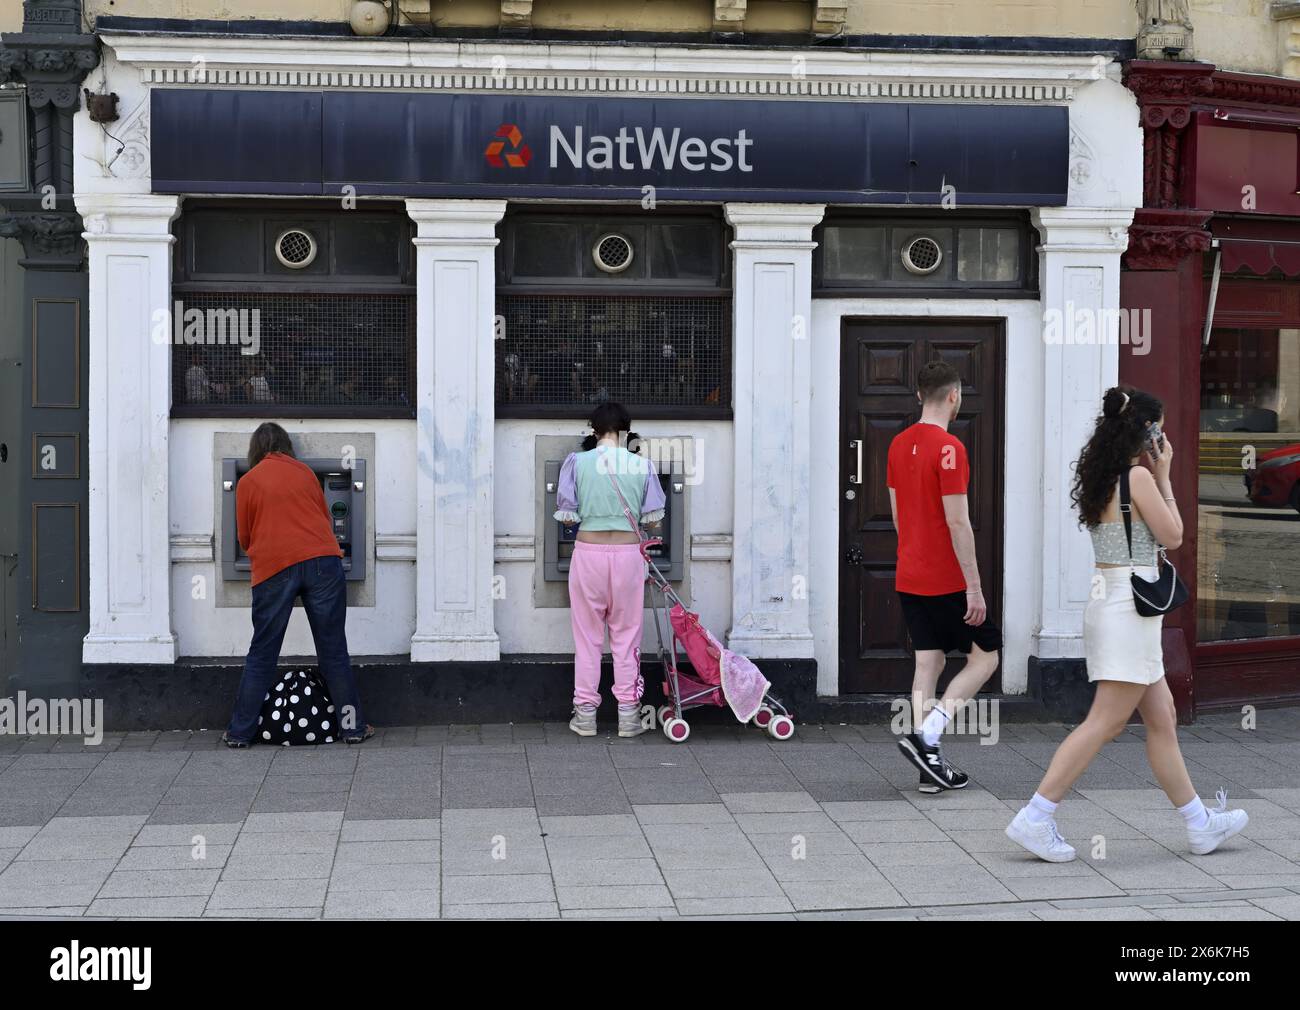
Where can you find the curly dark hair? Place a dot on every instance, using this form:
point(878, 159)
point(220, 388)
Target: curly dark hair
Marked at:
point(1120, 435)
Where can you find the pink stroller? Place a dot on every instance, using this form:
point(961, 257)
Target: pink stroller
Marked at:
point(721, 678)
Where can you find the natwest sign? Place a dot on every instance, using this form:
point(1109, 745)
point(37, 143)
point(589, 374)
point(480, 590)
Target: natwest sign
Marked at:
point(601, 148)
point(651, 149)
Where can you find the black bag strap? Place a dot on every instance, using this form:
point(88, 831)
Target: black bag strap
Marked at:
point(1125, 509)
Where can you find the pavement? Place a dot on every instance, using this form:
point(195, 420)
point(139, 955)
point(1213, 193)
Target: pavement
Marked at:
point(529, 821)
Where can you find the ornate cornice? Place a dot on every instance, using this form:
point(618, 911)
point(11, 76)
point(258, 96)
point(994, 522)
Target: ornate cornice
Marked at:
point(578, 68)
point(1162, 239)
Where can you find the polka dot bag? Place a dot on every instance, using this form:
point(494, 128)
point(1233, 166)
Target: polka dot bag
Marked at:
point(297, 712)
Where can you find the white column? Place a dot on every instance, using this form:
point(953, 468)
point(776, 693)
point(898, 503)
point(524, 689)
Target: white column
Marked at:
point(455, 293)
point(129, 238)
point(772, 391)
point(1079, 266)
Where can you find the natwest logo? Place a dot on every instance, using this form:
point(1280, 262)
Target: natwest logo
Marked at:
point(519, 154)
point(650, 149)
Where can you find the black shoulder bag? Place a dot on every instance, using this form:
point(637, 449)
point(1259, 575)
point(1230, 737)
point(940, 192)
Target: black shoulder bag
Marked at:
point(1167, 591)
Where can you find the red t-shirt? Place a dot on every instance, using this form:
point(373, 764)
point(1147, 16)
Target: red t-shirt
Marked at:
point(926, 463)
point(281, 514)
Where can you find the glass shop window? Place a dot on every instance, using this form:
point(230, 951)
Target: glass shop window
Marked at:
point(595, 306)
point(1248, 505)
point(289, 311)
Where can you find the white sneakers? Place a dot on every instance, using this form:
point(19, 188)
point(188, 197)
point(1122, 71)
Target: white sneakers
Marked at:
point(1045, 841)
point(1221, 826)
point(584, 720)
point(1042, 839)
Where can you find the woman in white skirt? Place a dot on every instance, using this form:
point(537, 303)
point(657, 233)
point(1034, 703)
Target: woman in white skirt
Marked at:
point(1121, 646)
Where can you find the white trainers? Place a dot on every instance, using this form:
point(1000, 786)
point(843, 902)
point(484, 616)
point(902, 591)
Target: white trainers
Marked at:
point(1042, 839)
point(629, 721)
point(1221, 826)
point(584, 720)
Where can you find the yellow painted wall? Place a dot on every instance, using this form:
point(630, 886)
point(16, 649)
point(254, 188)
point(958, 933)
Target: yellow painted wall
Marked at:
point(1059, 18)
point(1101, 19)
point(1239, 35)
point(11, 15)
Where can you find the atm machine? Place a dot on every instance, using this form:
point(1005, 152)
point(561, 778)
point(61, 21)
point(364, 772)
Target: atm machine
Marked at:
point(345, 498)
point(559, 539)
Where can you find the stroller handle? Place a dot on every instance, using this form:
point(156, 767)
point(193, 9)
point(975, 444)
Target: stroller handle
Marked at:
point(647, 543)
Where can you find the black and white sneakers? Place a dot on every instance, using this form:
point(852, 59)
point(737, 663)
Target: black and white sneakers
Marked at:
point(930, 762)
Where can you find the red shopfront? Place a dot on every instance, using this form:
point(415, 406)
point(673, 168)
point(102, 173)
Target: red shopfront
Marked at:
point(1218, 239)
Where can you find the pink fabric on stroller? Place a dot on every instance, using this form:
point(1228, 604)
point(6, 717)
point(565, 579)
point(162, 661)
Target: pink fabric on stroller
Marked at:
point(701, 648)
point(742, 684)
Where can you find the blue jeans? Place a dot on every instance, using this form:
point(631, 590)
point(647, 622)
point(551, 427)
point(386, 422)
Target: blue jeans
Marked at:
point(319, 581)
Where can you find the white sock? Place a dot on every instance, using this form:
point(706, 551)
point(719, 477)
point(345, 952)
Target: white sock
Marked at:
point(1195, 813)
point(1039, 810)
point(934, 725)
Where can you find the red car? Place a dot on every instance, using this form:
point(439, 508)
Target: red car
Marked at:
point(1275, 480)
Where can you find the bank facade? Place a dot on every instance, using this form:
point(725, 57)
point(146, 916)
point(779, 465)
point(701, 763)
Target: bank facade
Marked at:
point(429, 258)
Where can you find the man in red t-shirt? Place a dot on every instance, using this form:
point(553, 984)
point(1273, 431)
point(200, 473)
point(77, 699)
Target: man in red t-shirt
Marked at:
point(937, 578)
point(284, 526)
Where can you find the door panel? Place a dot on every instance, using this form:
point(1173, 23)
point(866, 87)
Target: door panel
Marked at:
point(879, 363)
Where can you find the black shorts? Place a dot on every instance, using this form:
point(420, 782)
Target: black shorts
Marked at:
point(938, 622)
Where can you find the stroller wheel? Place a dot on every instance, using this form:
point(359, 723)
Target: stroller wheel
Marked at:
point(665, 713)
point(763, 717)
point(781, 727)
point(677, 730)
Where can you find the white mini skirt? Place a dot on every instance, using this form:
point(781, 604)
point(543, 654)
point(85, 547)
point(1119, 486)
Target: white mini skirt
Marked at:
point(1118, 642)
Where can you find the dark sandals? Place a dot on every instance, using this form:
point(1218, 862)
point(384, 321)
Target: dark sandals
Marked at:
point(366, 735)
point(232, 743)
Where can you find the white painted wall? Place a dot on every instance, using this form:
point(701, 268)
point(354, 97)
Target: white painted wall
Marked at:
point(204, 629)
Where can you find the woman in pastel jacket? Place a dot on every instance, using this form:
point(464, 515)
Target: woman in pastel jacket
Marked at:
point(598, 487)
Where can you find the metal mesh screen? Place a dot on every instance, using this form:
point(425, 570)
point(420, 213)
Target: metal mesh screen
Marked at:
point(268, 352)
point(570, 351)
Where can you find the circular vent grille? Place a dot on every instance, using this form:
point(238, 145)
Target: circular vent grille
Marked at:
point(295, 248)
point(612, 253)
point(922, 255)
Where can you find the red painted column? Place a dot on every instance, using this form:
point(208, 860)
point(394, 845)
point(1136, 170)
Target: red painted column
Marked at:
point(1164, 276)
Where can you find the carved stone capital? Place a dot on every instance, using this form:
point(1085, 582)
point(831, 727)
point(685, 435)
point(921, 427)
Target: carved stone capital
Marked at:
point(1162, 239)
point(829, 16)
point(51, 239)
point(50, 55)
point(1166, 30)
point(517, 16)
point(729, 16)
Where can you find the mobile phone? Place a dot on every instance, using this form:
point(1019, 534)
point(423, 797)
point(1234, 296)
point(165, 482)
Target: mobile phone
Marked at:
point(1155, 440)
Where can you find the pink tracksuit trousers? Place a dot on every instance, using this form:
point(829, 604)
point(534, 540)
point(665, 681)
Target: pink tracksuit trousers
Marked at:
point(607, 587)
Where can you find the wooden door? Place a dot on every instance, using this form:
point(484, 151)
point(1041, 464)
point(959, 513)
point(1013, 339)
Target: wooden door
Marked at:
point(879, 362)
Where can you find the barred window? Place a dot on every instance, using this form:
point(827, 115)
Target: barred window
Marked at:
point(305, 354)
point(660, 355)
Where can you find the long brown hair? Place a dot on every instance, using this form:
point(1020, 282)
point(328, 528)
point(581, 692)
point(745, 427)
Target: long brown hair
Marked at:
point(1119, 435)
point(269, 437)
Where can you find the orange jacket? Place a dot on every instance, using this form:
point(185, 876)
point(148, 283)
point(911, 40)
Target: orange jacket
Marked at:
point(281, 514)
